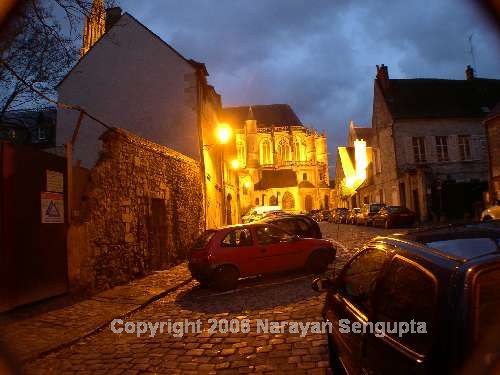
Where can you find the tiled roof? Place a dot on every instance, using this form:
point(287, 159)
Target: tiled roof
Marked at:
point(422, 98)
point(276, 179)
point(266, 115)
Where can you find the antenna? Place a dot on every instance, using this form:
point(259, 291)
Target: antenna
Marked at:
point(471, 51)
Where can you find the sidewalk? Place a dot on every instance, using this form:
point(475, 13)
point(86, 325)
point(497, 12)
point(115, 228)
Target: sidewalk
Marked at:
point(36, 336)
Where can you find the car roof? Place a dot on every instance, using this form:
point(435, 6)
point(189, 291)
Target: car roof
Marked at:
point(439, 241)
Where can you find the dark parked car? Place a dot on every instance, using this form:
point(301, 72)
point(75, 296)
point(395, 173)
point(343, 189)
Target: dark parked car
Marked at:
point(394, 216)
point(316, 215)
point(446, 278)
point(340, 215)
point(327, 216)
point(367, 212)
point(220, 257)
point(351, 216)
point(300, 225)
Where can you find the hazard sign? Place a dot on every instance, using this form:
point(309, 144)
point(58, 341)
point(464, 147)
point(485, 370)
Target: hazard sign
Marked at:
point(52, 208)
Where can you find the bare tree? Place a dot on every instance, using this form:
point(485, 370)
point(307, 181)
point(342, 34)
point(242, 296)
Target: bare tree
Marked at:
point(35, 46)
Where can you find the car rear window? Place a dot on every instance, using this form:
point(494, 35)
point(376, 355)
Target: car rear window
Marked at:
point(487, 309)
point(376, 207)
point(203, 240)
point(397, 209)
point(461, 247)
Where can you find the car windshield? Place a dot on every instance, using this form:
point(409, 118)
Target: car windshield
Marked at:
point(376, 207)
point(397, 209)
point(203, 240)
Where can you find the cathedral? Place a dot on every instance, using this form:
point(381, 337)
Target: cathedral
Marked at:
point(281, 161)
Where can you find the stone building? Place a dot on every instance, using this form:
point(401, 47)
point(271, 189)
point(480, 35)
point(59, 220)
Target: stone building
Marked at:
point(130, 78)
point(141, 211)
point(282, 162)
point(492, 124)
point(429, 144)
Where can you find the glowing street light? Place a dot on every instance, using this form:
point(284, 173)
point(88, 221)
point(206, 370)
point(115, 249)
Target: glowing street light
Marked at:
point(235, 164)
point(223, 133)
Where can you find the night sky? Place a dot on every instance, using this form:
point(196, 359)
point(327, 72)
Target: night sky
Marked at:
point(320, 56)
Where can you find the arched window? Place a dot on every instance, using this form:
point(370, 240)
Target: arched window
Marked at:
point(240, 149)
point(285, 151)
point(288, 203)
point(266, 154)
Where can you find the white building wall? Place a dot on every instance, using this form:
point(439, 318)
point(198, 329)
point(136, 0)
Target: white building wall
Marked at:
point(131, 79)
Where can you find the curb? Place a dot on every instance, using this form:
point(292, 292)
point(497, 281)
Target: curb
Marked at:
point(66, 344)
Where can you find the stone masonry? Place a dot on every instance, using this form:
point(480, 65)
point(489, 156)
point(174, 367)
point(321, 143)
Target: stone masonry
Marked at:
point(141, 212)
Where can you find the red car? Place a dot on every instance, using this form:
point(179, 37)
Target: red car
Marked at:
point(220, 257)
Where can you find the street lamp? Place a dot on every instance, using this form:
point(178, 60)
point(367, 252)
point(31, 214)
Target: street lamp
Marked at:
point(235, 164)
point(223, 133)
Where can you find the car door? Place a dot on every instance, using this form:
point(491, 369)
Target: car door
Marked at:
point(279, 250)
point(350, 305)
point(238, 248)
point(408, 293)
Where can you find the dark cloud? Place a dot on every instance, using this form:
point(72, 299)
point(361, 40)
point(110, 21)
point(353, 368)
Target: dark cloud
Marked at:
point(320, 56)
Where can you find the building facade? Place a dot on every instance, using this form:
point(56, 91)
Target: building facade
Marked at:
point(492, 124)
point(130, 78)
point(282, 162)
point(429, 145)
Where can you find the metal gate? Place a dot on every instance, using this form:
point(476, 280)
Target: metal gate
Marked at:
point(33, 258)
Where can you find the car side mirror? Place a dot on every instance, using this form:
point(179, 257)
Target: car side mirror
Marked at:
point(322, 285)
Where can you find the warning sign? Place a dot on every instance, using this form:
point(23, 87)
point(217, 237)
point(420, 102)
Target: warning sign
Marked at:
point(52, 208)
point(55, 181)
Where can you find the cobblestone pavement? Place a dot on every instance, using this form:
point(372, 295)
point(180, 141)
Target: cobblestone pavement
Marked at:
point(279, 298)
point(29, 337)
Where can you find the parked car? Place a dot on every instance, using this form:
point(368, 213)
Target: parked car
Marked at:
point(300, 225)
point(259, 212)
point(447, 278)
point(327, 216)
point(220, 257)
point(491, 213)
point(340, 215)
point(316, 215)
point(367, 212)
point(394, 216)
point(351, 216)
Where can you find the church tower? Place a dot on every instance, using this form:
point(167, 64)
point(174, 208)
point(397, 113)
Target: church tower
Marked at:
point(94, 26)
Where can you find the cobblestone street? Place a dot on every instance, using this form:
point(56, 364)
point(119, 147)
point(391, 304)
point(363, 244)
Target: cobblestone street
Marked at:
point(278, 298)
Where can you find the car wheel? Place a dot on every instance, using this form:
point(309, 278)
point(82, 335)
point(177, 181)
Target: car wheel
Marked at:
point(387, 225)
point(225, 278)
point(487, 218)
point(318, 261)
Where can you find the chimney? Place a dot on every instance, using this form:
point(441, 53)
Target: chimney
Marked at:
point(383, 76)
point(469, 73)
point(112, 15)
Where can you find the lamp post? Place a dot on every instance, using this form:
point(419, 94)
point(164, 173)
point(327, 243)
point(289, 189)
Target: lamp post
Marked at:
point(223, 133)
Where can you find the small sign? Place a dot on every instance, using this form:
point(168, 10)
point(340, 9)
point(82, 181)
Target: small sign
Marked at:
point(55, 181)
point(52, 208)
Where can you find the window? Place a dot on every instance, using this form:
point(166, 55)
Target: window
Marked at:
point(487, 309)
point(300, 151)
point(202, 241)
point(286, 225)
point(266, 154)
point(409, 293)
point(237, 238)
point(304, 177)
point(256, 201)
point(360, 275)
point(284, 151)
point(442, 148)
point(269, 234)
point(418, 149)
point(240, 148)
point(464, 147)
point(43, 134)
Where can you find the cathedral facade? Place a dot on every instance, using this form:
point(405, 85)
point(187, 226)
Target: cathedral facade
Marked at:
point(281, 161)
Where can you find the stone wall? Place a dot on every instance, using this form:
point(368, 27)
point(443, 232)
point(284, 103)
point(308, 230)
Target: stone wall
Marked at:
point(142, 210)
